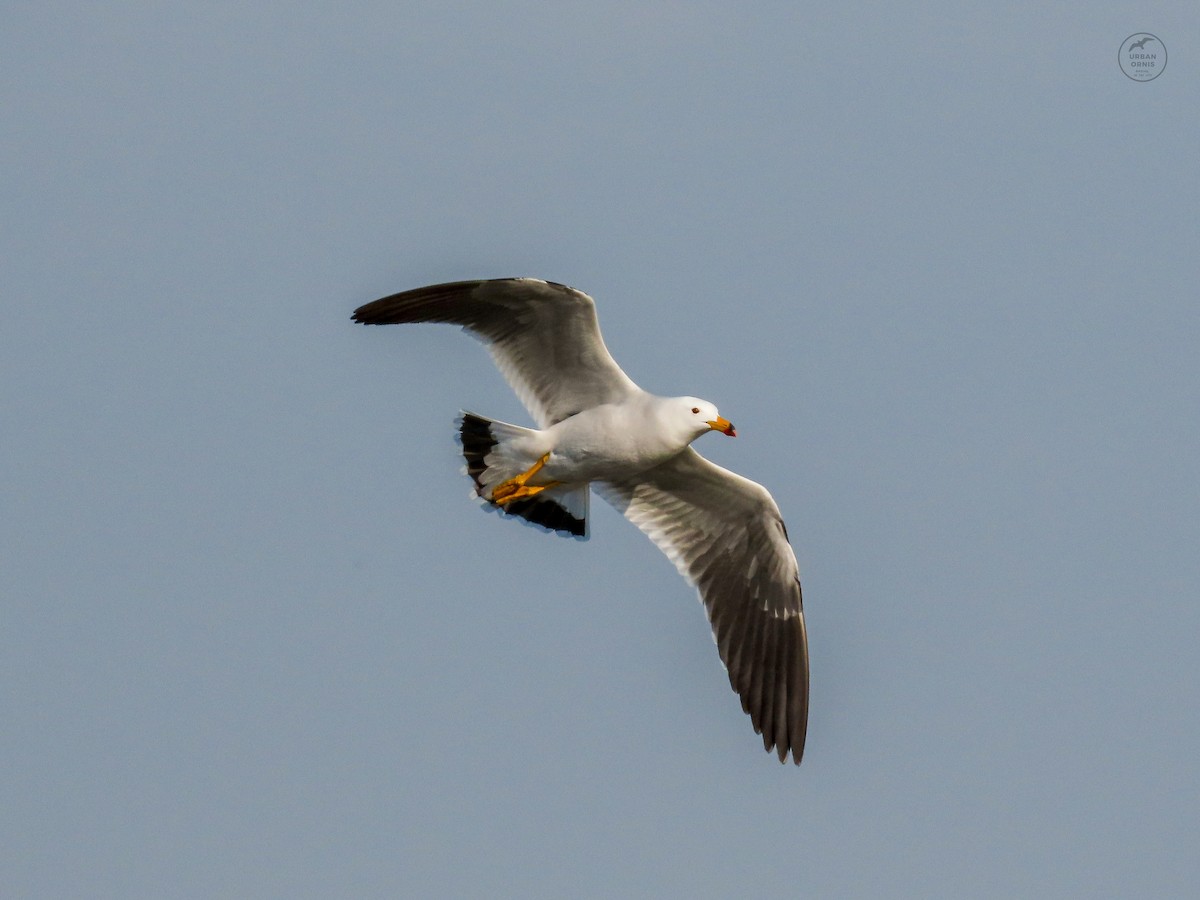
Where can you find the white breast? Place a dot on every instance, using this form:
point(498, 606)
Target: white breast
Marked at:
point(608, 442)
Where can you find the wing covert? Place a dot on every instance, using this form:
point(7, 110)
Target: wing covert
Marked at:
point(544, 337)
point(725, 535)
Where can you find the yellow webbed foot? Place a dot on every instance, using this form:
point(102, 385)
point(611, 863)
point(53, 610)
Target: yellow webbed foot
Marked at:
point(516, 488)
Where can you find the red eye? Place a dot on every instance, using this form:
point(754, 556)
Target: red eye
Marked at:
point(695, 409)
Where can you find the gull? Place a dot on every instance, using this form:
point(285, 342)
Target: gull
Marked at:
point(597, 429)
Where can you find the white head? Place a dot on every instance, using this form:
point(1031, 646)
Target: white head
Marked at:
point(692, 417)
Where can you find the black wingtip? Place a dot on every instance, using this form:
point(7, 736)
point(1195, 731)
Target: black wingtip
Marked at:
point(364, 315)
point(390, 310)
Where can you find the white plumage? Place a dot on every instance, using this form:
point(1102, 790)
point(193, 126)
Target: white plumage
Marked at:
point(597, 427)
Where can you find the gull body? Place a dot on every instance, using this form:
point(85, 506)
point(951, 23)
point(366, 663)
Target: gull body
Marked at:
point(596, 429)
point(602, 443)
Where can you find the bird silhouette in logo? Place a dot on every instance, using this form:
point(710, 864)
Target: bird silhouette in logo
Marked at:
point(1140, 44)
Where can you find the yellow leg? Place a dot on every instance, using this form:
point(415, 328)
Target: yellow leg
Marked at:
point(516, 488)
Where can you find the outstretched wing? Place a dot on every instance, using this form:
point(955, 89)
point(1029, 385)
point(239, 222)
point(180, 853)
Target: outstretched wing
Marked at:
point(543, 336)
point(725, 535)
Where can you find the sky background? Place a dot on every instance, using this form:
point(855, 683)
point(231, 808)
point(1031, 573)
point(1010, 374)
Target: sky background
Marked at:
point(938, 264)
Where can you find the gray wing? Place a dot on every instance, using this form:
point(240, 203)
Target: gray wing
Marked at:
point(543, 336)
point(725, 535)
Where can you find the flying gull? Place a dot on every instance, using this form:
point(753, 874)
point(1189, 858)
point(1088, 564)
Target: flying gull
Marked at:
point(596, 428)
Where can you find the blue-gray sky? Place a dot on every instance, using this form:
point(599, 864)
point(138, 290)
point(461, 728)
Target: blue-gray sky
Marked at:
point(939, 266)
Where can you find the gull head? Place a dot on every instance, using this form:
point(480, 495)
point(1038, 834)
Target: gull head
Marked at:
point(696, 417)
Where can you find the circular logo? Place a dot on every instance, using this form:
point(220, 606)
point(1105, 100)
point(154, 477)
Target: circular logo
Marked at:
point(1142, 56)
